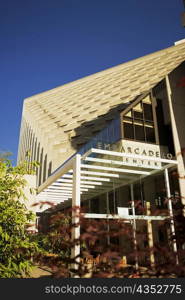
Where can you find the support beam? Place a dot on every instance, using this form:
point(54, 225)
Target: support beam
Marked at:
point(53, 199)
point(170, 210)
point(100, 174)
point(71, 185)
point(51, 192)
point(134, 225)
point(109, 175)
point(121, 163)
point(60, 188)
point(86, 178)
point(108, 211)
point(135, 156)
point(119, 170)
point(75, 251)
point(82, 181)
point(126, 217)
point(53, 195)
point(57, 174)
point(150, 236)
point(177, 145)
point(59, 195)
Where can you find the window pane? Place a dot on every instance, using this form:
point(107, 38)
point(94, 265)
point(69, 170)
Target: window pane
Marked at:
point(138, 115)
point(147, 99)
point(95, 206)
point(148, 111)
point(150, 134)
point(113, 202)
point(139, 132)
point(129, 114)
point(128, 120)
point(138, 107)
point(128, 130)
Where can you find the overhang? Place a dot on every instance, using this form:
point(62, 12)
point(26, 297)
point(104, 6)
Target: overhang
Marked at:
point(100, 171)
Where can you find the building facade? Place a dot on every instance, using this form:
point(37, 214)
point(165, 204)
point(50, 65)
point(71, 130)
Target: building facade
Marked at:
point(113, 139)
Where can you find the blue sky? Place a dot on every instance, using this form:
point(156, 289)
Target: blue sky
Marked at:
point(44, 44)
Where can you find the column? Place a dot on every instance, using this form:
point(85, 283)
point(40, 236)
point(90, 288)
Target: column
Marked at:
point(170, 210)
point(134, 225)
point(75, 251)
point(150, 236)
point(108, 212)
point(177, 145)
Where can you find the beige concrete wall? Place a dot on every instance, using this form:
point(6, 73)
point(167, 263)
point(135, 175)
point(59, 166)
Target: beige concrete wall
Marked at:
point(30, 194)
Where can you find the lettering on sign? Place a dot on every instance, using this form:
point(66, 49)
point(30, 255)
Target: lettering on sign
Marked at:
point(144, 152)
point(141, 149)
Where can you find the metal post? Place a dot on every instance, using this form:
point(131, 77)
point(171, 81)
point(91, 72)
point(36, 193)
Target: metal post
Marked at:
point(134, 225)
point(170, 210)
point(108, 212)
point(75, 251)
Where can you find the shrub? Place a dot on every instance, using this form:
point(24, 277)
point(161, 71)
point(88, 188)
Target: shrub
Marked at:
point(16, 249)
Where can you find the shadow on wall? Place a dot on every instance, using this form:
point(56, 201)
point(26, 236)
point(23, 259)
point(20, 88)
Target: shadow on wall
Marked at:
point(83, 134)
point(89, 129)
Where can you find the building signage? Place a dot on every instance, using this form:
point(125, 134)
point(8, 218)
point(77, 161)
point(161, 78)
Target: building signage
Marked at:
point(143, 152)
point(136, 148)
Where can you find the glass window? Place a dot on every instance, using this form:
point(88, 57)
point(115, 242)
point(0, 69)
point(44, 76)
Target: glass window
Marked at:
point(139, 132)
point(148, 112)
point(138, 123)
point(113, 202)
point(138, 115)
point(129, 114)
point(150, 134)
point(94, 205)
point(147, 99)
point(128, 130)
point(138, 107)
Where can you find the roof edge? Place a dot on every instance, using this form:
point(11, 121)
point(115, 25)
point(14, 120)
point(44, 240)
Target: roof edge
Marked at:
point(103, 72)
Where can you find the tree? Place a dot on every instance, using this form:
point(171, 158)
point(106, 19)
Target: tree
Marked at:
point(16, 249)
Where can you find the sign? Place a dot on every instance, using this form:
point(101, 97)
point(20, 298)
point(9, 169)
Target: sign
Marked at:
point(143, 149)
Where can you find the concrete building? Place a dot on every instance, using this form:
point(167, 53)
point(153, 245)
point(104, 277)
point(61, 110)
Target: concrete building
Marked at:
point(112, 138)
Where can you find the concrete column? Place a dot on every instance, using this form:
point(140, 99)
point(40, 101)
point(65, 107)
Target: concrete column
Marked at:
point(75, 251)
point(150, 236)
point(134, 225)
point(177, 145)
point(170, 210)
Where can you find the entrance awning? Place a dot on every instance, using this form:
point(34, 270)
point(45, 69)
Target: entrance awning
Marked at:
point(98, 171)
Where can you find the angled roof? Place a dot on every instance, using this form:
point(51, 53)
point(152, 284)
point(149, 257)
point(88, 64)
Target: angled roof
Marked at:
point(71, 110)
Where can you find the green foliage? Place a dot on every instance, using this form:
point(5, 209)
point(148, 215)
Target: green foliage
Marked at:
point(16, 249)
